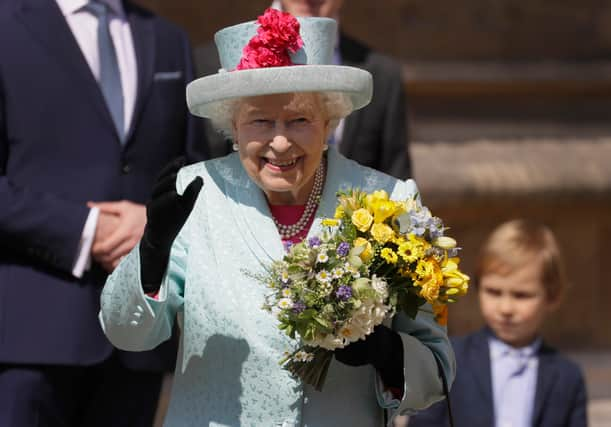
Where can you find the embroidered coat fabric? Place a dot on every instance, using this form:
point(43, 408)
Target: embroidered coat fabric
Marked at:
point(227, 370)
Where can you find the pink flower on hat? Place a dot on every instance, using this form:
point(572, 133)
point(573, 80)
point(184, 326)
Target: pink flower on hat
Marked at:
point(277, 37)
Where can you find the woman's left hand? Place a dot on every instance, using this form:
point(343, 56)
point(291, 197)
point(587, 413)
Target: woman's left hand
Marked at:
point(383, 349)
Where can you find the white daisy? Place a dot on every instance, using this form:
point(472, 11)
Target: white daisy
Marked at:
point(323, 276)
point(285, 303)
point(322, 258)
point(337, 272)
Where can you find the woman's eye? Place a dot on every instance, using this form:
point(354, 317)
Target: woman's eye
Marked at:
point(261, 121)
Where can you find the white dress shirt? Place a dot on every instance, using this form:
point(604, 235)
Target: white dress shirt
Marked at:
point(84, 27)
point(514, 382)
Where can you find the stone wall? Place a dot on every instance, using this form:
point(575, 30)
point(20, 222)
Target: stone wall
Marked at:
point(445, 29)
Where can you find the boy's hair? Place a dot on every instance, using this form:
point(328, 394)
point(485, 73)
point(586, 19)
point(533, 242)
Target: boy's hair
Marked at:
point(516, 242)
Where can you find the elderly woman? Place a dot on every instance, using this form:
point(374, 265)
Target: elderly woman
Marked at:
point(200, 249)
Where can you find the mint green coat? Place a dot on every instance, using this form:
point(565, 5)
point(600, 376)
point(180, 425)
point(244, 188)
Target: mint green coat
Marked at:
point(227, 371)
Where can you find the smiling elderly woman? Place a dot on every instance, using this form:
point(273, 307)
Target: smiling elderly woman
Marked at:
point(213, 224)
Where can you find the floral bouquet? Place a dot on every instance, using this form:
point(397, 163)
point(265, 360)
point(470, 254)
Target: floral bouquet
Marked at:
point(376, 257)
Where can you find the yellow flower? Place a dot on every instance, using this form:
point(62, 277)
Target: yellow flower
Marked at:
point(456, 280)
point(383, 209)
point(429, 278)
point(367, 252)
point(382, 233)
point(330, 222)
point(349, 203)
point(362, 219)
point(376, 196)
point(445, 242)
point(339, 212)
point(430, 291)
point(413, 248)
point(389, 256)
point(378, 203)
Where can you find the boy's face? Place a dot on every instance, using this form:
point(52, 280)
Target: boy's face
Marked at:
point(515, 305)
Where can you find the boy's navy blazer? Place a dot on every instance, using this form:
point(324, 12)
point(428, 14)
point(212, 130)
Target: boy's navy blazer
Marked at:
point(560, 397)
point(58, 150)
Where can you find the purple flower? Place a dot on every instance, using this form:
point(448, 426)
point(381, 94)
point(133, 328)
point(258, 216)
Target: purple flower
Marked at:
point(287, 245)
point(298, 307)
point(343, 293)
point(343, 248)
point(314, 242)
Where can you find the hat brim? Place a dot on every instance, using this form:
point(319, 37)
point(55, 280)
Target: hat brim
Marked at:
point(205, 92)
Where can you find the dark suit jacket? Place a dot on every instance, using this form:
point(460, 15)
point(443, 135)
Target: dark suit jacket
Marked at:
point(58, 150)
point(560, 397)
point(376, 135)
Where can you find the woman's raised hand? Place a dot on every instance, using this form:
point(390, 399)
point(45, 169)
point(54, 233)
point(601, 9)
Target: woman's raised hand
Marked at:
point(166, 214)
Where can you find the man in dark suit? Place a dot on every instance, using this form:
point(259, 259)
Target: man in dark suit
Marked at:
point(92, 106)
point(375, 136)
point(560, 395)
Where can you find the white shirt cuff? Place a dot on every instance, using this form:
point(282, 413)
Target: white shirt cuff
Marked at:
point(83, 254)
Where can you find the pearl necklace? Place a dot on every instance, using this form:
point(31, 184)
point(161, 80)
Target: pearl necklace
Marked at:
point(288, 231)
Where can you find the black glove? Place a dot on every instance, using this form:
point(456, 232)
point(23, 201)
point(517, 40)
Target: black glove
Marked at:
point(383, 349)
point(166, 213)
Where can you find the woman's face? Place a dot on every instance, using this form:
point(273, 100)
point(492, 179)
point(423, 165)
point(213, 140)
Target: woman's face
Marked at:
point(281, 140)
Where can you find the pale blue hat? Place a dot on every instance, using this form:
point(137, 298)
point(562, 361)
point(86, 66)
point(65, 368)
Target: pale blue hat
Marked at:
point(312, 70)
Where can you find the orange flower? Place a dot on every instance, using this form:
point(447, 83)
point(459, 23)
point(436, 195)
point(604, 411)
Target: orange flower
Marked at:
point(441, 314)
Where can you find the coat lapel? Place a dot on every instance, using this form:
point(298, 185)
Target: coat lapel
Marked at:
point(328, 201)
point(546, 377)
point(479, 360)
point(46, 22)
point(252, 215)
point(143, 35)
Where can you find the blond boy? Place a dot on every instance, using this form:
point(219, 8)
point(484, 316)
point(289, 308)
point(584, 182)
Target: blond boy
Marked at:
point(507, 375)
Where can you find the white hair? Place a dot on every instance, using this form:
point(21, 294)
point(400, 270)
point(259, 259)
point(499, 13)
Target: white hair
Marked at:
point(337, 105)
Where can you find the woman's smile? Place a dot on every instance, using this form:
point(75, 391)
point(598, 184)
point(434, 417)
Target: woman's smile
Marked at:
point(275, 165)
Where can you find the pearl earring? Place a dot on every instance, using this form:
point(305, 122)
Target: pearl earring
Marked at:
point(325, 147)
point(235, 146)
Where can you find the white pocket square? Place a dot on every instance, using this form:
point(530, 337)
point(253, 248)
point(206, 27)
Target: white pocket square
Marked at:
point(167, 75)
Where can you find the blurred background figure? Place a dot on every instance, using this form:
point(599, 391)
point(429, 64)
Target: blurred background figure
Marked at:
point(507, 374)
point(92, 106)
point(375, 136)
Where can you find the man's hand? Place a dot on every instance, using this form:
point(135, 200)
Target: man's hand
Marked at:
point(120, 225)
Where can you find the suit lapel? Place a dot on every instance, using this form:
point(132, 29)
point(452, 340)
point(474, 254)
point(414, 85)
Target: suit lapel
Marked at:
point(46, 22)
point(143, 35)
point(546, 377)
point(479, 360)
point(353, 54)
